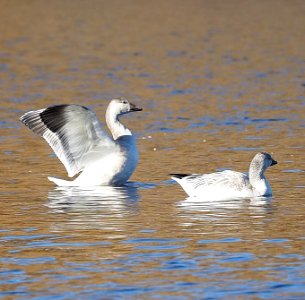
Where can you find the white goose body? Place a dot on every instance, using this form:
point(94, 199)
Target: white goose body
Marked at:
point(229, 184)
point(113, 169)
point(77, 138)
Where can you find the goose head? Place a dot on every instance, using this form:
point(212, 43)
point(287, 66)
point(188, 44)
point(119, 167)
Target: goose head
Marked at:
point(261, 162)
point(121, 106)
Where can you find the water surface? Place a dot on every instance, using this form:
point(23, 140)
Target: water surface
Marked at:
point(218, 81)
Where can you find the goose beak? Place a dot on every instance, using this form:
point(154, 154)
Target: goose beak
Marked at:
point(134, 107)
point(274, 162)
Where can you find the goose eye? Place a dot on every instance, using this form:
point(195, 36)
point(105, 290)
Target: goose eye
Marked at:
point(124, 101)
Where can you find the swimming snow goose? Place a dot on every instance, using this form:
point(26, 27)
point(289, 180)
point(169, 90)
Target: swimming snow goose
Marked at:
point(230, 184)
point(79, 141)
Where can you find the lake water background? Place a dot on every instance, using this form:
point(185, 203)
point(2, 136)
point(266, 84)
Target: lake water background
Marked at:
point(218, 81)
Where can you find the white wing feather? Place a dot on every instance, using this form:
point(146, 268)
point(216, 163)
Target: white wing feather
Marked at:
point(216, 180)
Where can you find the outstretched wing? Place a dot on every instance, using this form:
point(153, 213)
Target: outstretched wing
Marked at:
point(71, 130)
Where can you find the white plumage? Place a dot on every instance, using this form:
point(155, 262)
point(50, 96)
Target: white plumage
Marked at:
point(77, 138)
point(230, 184)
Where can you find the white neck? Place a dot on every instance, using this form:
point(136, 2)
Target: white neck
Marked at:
point(116, 128)
point(258, 181)
point(255, 173)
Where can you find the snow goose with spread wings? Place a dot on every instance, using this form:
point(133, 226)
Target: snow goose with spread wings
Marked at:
point(79, 141)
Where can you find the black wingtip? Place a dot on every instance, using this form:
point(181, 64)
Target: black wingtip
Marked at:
point(54, 117)
point(180, 176)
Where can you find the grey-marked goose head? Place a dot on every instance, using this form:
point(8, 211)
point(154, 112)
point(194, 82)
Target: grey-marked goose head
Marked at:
point(261, 162)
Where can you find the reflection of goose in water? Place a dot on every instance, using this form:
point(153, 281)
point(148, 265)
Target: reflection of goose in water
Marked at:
point(80, 143)
point(94, 207)
point(74, 198)
point(192, 209)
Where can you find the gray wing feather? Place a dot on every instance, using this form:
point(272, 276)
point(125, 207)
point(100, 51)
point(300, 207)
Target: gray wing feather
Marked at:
point(72, 131)
point(225, 178)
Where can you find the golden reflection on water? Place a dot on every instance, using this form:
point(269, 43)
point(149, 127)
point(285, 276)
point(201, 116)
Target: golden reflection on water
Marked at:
point(218, 81)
